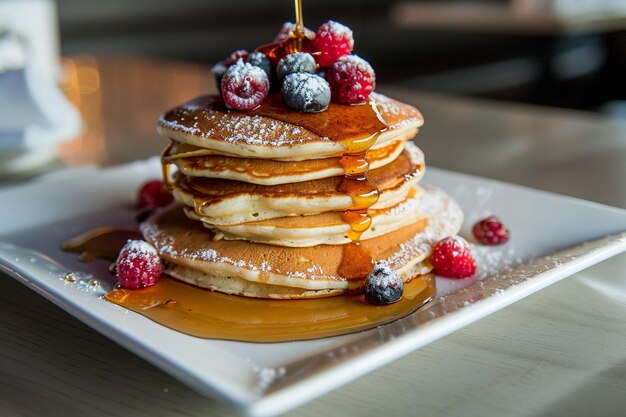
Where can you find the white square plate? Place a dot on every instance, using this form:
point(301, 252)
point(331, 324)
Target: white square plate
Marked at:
point(267, 379)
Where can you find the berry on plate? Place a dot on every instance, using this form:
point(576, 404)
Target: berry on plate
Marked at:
point(383, 285)
point(351, 80)
point(491, 231)
point(294, 63)
point(244, 86)
point(306, 92)
point(333, 40)
point(137, 265)
point(153, 194)
point(451, 258)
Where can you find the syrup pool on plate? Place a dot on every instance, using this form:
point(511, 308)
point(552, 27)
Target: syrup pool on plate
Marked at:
point(203, 313)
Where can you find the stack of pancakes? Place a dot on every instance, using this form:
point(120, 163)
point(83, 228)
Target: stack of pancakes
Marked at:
point(260, 211)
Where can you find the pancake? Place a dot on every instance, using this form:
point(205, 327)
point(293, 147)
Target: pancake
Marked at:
point(327, 228)
point(185, 245)
point(224, 202)
point(198, 162)
point(274, 132)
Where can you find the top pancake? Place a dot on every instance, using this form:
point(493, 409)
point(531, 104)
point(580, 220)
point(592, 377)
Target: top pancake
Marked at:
point(274, 132)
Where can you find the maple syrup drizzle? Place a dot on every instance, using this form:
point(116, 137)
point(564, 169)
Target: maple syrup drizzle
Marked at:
point(166, 167)
point(299, 29)
point(296, 42)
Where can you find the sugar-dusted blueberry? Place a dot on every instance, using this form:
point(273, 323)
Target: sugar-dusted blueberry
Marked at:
point(294, 63)
point(258, 59)
point(383, 285)
point(306, 92)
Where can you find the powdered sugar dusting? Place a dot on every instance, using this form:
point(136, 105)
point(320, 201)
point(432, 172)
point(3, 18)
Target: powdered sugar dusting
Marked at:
point(349, 63)
point(167, 248)
point(491, 260)
point(138, 249)
point(385, 274)
point(251, 130)
point(407, 206)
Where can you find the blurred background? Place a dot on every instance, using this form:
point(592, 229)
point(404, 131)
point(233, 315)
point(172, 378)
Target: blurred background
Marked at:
point(84, 80)
point(566, 53)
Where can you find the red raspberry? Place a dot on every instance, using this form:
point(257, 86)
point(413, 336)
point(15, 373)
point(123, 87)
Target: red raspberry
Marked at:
point(491, 231)
point(285, 32)
point(333, 40)
point(137, 265)
point(153, 194)
point(451, 258)
point(351, 80)
point(244, 87)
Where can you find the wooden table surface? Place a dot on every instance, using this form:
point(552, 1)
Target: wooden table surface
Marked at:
point(559, 352)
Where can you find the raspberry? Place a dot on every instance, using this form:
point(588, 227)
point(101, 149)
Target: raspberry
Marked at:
point(306, 92)
point(153, 195)
point(333, 40)
point(451, 258)
point(244, 87)
point(351, 80)
point(285, 32)
point(491, 231)
point(221, 67)
point(383, 285)
point(137, 265)
point(293, 63)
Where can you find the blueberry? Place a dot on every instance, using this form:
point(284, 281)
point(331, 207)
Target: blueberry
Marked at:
point(296, 63)
point(306, 92)
point(258, 59)
point(383, 285)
